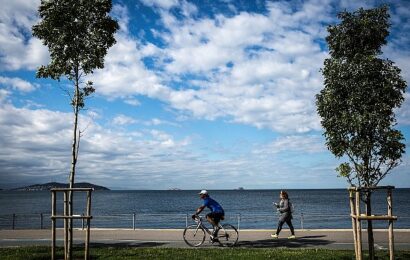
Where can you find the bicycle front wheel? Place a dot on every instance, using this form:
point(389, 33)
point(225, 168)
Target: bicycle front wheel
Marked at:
point(194, 235)
point(228, 235)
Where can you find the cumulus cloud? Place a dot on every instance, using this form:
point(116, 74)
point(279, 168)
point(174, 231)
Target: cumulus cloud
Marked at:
point(164, 4)
point(36, 147)
point(17, 84)
point(248, 67)
point(293, 143)
point(17, 48)
point(123, 120)
point(254, 69)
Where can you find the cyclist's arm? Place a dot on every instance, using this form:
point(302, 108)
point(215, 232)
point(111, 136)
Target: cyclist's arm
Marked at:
point(199, 210)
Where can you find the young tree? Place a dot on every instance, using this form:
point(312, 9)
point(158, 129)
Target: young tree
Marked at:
point(78, 34)
point(361, 91)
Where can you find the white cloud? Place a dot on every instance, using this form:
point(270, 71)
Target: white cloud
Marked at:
point(37, 143)
point(36, 148)
point(4, 94)
point(403, 113)
point(125, 73)
point(293, 143)
point(269, 85)
point(165, 4)
point(132, 102)
point(17, 48)
point(274, 60)
point(157, 122)
point(17, 84)
point(122, 120)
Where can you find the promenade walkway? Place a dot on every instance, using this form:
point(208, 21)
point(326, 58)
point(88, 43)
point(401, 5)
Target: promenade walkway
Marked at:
point(319, 238)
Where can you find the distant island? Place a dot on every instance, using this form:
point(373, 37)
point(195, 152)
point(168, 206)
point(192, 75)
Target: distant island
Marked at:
point(52, 185)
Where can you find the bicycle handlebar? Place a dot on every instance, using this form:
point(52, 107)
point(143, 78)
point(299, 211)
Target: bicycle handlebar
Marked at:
point(196, 218)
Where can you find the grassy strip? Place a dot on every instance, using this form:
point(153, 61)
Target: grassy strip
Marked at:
point(107, 252)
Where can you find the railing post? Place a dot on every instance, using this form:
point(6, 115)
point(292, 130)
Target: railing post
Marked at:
point(82, 221)
point(301, 220)
point(133, 221)
point(13, 222)
point(53, 225)
point(186, 220)
point(390, 214)
point(239, 220)
point(41, 220)
point(87, 236)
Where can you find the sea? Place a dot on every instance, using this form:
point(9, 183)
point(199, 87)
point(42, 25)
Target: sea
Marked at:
point(245, 209)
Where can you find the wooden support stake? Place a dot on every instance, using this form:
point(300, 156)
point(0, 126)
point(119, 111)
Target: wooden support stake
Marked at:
point(53, 225)
point(358, 228)
point(390, 213)
point(357, 217)
point(65, 207)
point(87, 237)
point(354, 226)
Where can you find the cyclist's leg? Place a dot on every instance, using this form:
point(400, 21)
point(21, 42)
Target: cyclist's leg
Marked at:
point(211, 219)
point(214, 221)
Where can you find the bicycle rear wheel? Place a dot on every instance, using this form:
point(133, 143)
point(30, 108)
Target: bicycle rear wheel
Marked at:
point(194, 235)
point(228, 235)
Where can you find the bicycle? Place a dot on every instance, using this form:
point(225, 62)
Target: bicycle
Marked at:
point(194, 235)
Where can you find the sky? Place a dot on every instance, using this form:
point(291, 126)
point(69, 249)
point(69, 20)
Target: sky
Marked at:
point(204, 94)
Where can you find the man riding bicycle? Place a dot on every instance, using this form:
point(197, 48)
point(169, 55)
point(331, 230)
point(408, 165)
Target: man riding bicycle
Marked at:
point(217, 212)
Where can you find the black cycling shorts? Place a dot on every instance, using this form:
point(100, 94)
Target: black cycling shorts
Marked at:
point(216, 216)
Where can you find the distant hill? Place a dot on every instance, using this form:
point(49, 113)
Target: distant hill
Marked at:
point(51, 185)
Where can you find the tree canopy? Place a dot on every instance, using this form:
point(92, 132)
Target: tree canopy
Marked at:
point(361, 91)
point(77, 33)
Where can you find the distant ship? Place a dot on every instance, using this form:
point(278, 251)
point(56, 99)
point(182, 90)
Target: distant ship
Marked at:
point(240, 188)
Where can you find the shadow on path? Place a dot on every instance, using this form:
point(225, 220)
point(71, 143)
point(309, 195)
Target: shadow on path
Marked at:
point(305, 241)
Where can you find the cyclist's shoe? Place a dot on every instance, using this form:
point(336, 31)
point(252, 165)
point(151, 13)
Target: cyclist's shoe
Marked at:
point(274, 236)
point(292, 237)
point(214, 239)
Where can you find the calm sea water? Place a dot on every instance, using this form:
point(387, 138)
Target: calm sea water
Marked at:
point(169, 209)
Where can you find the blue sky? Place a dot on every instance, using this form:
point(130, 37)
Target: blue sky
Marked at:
point(195, 94)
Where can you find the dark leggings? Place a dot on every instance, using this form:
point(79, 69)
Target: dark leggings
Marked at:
point(288, 222)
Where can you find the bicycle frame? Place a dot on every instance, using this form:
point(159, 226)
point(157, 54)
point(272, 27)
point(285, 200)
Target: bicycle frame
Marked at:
point(199, 221)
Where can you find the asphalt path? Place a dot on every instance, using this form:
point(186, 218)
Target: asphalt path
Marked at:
point(319, 238)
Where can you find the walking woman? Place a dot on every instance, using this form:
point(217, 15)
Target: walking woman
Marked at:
point(284, 207)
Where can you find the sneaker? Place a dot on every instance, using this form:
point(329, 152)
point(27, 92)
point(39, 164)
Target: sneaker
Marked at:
point(292, 237)
point(213, 239)
point(274, 236)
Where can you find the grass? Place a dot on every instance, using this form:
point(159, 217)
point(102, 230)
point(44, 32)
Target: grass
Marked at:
point(107, 252)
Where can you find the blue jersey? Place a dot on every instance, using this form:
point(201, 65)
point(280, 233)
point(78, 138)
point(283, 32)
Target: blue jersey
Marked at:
point(213, 205)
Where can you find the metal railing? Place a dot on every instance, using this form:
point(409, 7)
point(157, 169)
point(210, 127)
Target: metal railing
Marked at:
point(144, 220)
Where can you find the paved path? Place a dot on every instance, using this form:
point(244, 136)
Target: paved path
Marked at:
point(320, 238)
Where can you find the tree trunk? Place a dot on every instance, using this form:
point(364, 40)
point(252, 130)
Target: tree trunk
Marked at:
point(74, 153)
point(370, 237)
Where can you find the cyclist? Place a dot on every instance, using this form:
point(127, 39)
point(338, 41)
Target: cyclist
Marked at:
point(217, 212)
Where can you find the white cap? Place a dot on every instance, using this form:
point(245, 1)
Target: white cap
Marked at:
point(203, 192)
